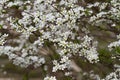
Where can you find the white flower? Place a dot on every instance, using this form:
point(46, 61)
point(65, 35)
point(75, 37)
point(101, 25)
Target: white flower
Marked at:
point(50, 78)
point(2, 38)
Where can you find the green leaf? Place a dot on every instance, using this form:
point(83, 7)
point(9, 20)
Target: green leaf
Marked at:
point(1, 26)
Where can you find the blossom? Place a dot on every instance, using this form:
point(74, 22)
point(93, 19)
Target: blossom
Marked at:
point(61, 28)
point(2, 38)
point(50, 78)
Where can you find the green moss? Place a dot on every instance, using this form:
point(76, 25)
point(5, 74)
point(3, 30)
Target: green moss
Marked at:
point(105, 56)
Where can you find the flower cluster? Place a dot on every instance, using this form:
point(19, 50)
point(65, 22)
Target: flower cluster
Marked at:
point(114, 75)
point(47, 22)
point(59, 27)
point(2, 38)
point(114, 44)
point(50, 78)
point(64, 63)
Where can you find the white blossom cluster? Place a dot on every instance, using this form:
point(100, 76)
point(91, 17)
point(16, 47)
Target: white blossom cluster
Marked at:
point(89, 49)
point(55, 24)
point(114, 75)
point(2, 38)
point(106, 13)
point(64, 63)
point(61, 27)
point(50, 78)
point(24, 55)
point(115, 44)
